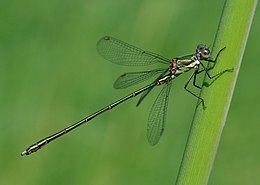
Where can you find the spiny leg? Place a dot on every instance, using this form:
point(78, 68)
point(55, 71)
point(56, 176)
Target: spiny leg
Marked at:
point(187, 83)
point(196, 72)
point(195, 75)
point(194, 79)
point(216, 75)
point(214, 61)
point(211, 60)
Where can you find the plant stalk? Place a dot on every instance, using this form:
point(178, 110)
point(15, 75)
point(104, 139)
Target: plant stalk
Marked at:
point(208, 123)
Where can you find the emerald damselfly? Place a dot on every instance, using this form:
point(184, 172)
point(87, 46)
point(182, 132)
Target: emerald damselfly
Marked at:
point(122, 53)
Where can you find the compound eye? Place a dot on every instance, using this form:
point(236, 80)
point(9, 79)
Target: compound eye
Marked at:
point(201, 47)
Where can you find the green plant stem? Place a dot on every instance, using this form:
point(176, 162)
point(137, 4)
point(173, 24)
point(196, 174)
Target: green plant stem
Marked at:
point(208, 123)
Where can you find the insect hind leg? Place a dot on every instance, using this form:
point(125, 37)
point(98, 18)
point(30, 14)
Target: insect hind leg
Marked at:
point(193, 76)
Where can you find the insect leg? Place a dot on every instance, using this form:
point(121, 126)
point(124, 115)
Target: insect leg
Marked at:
point(187, 83)
point(214, 60)
point(216, 75)
point(194, 79)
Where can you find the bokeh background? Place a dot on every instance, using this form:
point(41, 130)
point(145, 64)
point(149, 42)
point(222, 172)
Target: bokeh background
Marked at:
point(51, 76)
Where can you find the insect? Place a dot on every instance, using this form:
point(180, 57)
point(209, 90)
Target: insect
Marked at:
point(122, 53)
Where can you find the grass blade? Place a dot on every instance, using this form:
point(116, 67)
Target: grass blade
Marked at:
point(208, 123)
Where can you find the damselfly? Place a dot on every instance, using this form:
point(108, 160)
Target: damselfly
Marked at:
point(122, 53)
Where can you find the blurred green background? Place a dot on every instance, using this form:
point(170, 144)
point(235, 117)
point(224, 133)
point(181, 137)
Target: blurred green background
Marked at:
point(51, 76)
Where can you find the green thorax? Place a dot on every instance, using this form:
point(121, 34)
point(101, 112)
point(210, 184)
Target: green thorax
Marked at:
point(185, 63)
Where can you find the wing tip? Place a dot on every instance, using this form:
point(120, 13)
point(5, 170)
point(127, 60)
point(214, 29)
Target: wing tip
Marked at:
point(153, 142)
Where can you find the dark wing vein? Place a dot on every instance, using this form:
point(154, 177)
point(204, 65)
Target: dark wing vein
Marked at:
point(157, 116)
point(145, 93)
point(119, 52)
point(129, 79)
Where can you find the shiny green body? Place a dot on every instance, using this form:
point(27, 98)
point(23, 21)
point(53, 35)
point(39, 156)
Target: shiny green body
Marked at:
point(122, 53)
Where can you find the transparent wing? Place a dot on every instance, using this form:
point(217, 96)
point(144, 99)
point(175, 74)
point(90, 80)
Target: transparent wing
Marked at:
point(129, 79)
point(119, 52)
point(145, 93)
point(157, 116)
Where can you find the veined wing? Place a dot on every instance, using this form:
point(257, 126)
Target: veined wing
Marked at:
point(119, 52)
point(145, 93)
point(157, 116)
point(129, 79)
